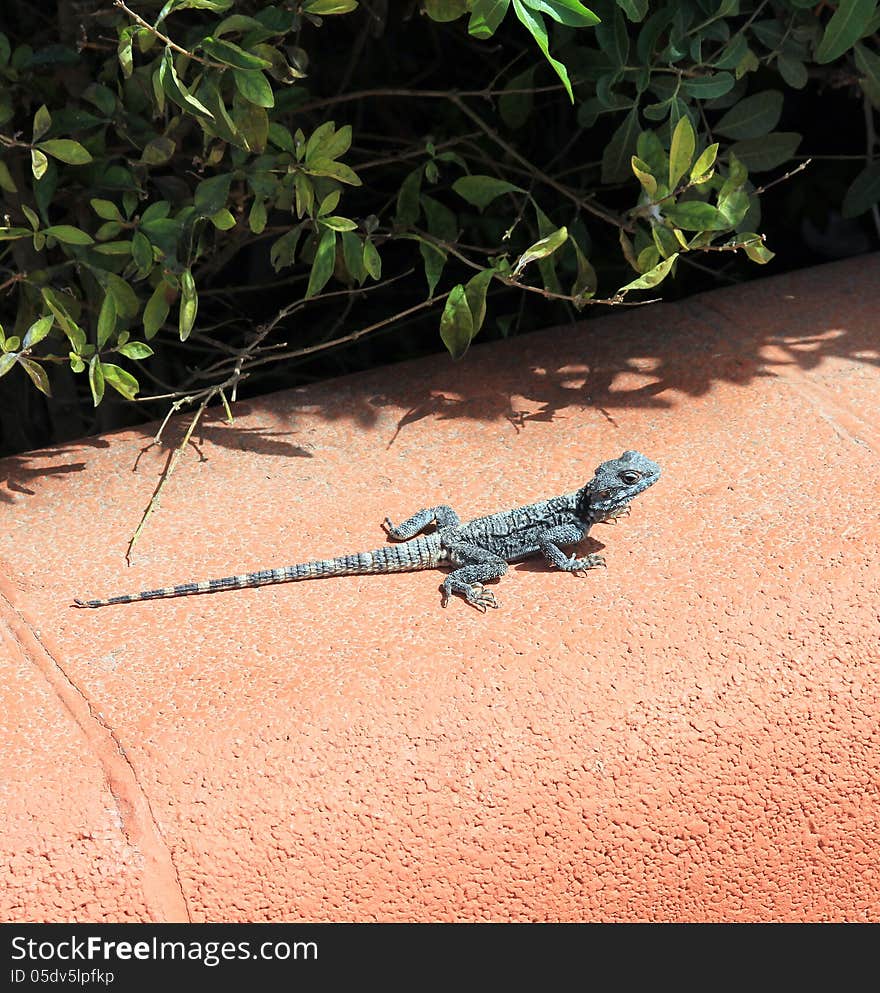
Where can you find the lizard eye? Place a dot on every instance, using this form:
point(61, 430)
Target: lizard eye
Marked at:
point(630, 477)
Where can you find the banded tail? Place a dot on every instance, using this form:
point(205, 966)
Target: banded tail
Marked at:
point(423, 552)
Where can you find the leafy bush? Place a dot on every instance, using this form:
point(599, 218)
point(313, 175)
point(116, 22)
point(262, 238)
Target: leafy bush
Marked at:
point(160, 164)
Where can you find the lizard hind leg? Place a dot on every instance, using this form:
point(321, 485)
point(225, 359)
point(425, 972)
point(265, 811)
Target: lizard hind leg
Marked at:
point(442, 516)
point(476, 566)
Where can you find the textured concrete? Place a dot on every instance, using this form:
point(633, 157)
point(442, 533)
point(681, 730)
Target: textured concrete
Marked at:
point(689, 735)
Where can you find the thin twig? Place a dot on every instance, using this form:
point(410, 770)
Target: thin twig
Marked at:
point(166, 39)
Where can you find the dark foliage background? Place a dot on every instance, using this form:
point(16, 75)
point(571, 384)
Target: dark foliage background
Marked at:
point(419, 93)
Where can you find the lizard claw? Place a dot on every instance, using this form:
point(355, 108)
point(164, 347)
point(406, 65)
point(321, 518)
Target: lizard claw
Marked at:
point(579, 567)
point(481, 598)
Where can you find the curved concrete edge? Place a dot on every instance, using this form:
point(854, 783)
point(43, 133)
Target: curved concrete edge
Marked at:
point(689, 735)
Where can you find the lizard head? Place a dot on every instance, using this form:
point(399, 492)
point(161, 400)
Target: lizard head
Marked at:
point(618, 481)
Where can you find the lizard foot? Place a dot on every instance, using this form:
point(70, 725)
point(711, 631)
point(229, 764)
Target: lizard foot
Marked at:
point(579, 567)
point(481, 598)
point(614, 516)
point(476, 595)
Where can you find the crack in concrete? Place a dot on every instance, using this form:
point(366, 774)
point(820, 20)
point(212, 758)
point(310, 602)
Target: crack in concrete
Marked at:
point(161, 883)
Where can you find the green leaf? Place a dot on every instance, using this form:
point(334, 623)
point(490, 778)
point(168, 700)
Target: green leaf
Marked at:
point(106, 320)
point(110, 229)
point(457, 322)
point(486, 15)
point(254, 86)
point(124, 51)
point(258, 216)
point(158, 151)
point(338, 223)
point(734, 52)
point(7, 361)
point(863, 192)
point(681, 151)
point(696, 216)
point(6, 181)
point(218, 6)
point(734, 206)
point(793, 71)
point(71, 152)
point(753, 117)
point(176, 91)
point(142, 252)
point(482, 190)
point(569, 12)
point(326, 142)
point(322, 266)
point(222, 220)
point(613, 38)
point(336, 170)
point(475, 293)
point(434, 259)
point(442, 222)
point(755, 248)
point(37, 374)
point(325, 8)
point(32, 217)
point(868, 63)
point(617, 156)
point(121, 381)
point(282, 253)
point(635, 10)
point(643, 173)
point(11, 234)
point(647, 258)
point(212, 194)
point(68, 235)
point(408, 206)
point(534, 24)
point(42, 122)
point(763, 154)
point(847, 25)
point(650, 279)
point(106, 210)
point(189, 304)
point(230, 54)
point(114, 248)
point(39, 163)
point(38, 331)
point(541, 249)
point(353, 255)
point(584, 286)
point(708, 87)
point(703, 167)
point(372, 260)
point(58, 303)
point(156, 310)
point(126, 300)
point(96, 379)
point(442, 11)
point(135, 350)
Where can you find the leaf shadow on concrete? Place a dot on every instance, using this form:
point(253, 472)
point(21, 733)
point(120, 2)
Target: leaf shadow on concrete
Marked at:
point(652, 358)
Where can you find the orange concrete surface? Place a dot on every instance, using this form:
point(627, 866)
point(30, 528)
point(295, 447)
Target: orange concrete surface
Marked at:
point(691, 734)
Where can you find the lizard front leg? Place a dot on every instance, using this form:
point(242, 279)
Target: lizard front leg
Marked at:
point(442, 516)
point(476, 566)
point(567, 534)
